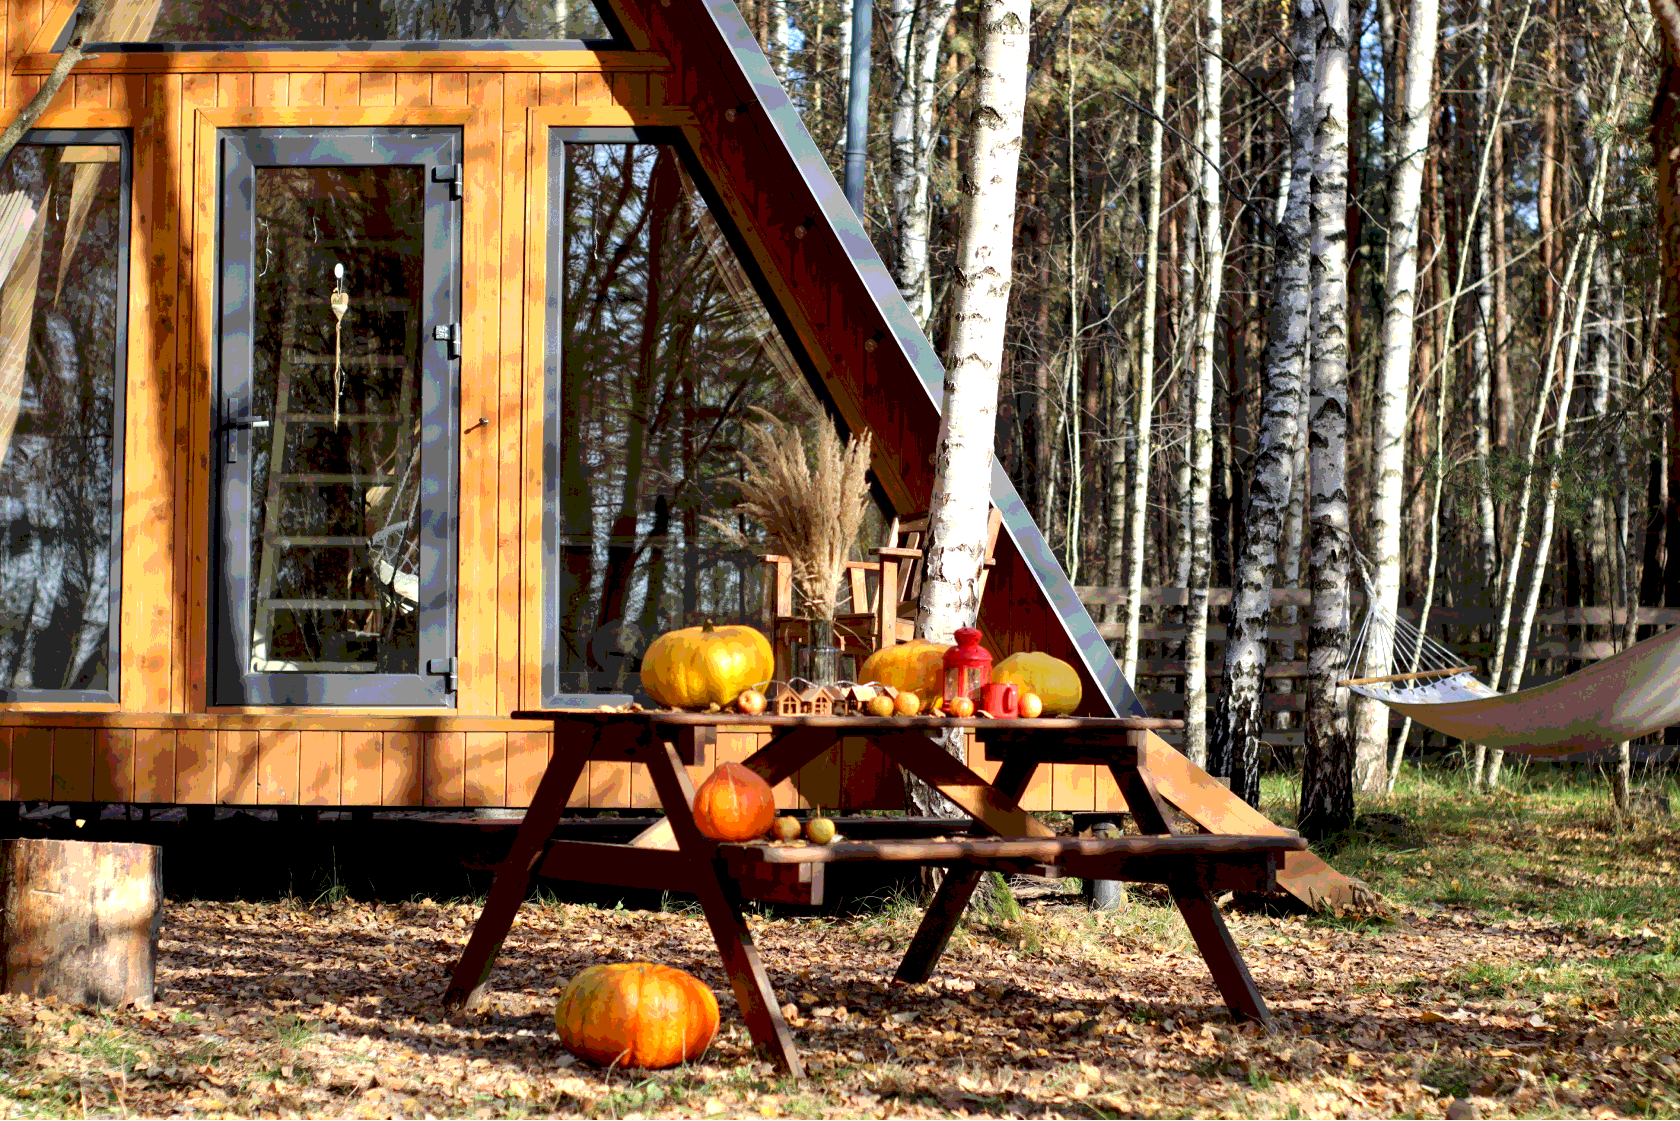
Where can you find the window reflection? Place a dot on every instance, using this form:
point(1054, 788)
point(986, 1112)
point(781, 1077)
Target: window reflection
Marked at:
point(335, 541)
point(61, 308)
point(256, 21)
point(666, 346)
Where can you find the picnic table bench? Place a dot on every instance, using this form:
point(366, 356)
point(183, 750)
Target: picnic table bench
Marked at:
point(673, 855)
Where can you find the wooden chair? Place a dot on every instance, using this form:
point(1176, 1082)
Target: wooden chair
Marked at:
point(882, 593)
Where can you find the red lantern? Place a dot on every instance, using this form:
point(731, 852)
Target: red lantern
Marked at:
point(968, 667)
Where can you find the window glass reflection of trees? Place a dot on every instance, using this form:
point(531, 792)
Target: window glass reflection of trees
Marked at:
point(59, 322)
point(335, 537)
point(349, 21)
point(666, 346)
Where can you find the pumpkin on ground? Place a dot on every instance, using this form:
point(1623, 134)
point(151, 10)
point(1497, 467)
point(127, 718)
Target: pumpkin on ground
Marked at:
point(734, 804)
point(1056, 682)
point(636, 1014)
point(700, 666)
point(917, 666)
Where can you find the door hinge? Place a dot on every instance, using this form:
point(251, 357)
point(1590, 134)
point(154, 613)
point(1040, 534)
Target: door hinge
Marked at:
point(449, 333)
point(444, 668)
point(451, 174)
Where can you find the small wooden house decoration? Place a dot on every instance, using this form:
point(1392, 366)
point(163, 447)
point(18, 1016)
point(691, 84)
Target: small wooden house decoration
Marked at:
point(789, 702)
point(354, 393)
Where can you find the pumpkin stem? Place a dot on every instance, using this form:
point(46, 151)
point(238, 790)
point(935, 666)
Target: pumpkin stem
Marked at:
point(708, 628)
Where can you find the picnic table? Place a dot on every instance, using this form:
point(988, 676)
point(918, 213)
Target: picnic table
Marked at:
point(674, 855)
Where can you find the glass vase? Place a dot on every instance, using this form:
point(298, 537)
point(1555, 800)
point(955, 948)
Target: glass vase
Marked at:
point(820, 659)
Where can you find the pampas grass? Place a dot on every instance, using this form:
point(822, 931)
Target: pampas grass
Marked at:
point(811, 506)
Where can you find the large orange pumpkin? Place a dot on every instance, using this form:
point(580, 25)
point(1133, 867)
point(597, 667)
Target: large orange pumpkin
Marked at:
point(734, 804)
point(700, 666)
point(917, 666)
point(636, 1014)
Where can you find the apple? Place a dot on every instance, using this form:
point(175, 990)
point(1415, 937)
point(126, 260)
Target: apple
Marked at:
point(785, 829)
point(1030, 705)
point(819, 830)
point(751, 702)
point(879, 705)
point(959, 706)
point(907, 704)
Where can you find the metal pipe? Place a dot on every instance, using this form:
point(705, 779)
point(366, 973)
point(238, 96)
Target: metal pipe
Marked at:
point(857, 103)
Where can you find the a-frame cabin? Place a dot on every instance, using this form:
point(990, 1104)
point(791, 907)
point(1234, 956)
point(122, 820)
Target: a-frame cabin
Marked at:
point(370, 371)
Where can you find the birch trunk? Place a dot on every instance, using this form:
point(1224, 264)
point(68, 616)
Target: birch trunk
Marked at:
point(1481, 347)
point(918, 31)
point(1137, 515)
point(1327, 776)
point(1392, 401)
point(963, 457)
point(778, 51)
point(1235, 748)
point(1212, 256)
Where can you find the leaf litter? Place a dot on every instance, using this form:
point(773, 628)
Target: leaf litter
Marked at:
point(331, 1009)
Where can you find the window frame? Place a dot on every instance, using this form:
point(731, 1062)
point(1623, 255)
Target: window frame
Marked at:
point(239, 152)
point(124, 140)
point(554, 353)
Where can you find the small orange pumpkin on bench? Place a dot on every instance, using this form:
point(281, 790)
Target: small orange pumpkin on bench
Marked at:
point(734, 804)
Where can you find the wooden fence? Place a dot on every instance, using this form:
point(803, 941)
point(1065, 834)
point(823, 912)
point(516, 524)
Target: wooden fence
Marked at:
point(1567, 638)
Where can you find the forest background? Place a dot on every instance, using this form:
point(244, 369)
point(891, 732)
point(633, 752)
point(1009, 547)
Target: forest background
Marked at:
point(1492, 369)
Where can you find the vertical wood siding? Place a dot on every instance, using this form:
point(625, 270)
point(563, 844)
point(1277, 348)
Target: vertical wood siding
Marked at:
point(169, 489)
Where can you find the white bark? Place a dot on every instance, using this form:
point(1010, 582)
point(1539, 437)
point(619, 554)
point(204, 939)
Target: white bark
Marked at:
point(918, 34)
point(1210, 219)
point(963, 457)
point(1326, 781)
point(1137, 515)
point(778, 51)
point(1236, 732)
point(1391, 403)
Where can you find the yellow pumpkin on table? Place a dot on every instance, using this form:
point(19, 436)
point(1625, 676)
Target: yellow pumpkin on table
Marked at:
point(636, 1014)
point(1055, 681)
point(917, 666)
point(700, 666)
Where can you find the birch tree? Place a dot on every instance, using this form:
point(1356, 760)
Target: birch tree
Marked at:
point(1236, 731)
point(1327, 776)
point(1211, 257)
point(918, 30)
point(1138, 502)
point(1392, 401)
point(963, 456)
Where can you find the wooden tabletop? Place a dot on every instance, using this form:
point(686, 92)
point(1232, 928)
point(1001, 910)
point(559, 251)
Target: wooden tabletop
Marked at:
point(855, 723)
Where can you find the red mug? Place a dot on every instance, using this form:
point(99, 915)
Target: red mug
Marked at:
point(1001, 699)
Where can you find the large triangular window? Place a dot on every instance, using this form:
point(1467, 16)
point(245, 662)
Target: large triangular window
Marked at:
point(662, 348)
point(341, 24)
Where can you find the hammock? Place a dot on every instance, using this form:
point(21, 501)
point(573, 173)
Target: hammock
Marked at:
point(1623, 697)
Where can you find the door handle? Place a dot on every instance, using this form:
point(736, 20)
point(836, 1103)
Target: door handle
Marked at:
point(235, 422)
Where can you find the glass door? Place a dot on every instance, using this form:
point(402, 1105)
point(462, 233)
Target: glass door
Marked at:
point(340, 346)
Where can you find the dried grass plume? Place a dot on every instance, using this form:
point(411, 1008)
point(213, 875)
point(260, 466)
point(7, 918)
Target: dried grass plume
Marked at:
point(811, 507)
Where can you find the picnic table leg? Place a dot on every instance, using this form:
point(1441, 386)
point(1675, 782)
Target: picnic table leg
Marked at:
point(955, 890)
point(468, 986)
point(1224, 960)
point(722, 907)
point(1201, 914)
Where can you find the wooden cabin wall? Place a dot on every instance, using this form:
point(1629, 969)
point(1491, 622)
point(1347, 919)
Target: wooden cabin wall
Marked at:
point(163, 742)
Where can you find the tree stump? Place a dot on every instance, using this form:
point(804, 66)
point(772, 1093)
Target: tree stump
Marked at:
point(79, 920)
